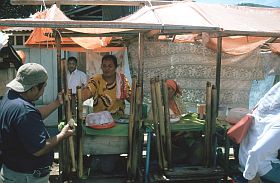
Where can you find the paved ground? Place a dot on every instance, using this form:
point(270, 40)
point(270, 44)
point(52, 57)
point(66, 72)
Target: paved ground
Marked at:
point(54, 178)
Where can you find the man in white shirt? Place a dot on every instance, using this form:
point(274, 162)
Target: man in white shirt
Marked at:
point(259, 149)
point(75, 77)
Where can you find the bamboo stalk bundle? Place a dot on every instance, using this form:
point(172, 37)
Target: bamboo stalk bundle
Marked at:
point(167, 124)
point(70, 139)
point(207, 151)
point(156, 123)
point(79, 132)
point(161, 123)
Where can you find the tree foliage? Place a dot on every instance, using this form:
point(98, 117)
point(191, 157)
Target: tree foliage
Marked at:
point(7, 10)
point(254, 5)
point(16, 11)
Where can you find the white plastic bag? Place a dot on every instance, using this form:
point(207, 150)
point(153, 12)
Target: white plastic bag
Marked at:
point(235, 115)
point(100, 120)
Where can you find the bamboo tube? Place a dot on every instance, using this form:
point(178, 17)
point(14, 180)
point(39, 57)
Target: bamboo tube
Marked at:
point(79, 132)
point(131, 123)
point(207, 126)
point(70, 139)
point(155, 120)
point(213, 125)
point(135, 135)
point(161, 123)
point(62, 159)
point(167, 124)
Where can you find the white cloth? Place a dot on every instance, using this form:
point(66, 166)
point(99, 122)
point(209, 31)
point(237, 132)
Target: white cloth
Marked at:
point(76, 78)
point(260, 147)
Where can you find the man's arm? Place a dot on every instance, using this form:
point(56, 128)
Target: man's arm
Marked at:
point(52, 142)
point(86, 94)
point(48, 109)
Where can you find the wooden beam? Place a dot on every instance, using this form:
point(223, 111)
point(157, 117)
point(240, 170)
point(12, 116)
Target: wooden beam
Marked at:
point(226, 33)
point(93, 2)
point(103, 24)
point(98, 35)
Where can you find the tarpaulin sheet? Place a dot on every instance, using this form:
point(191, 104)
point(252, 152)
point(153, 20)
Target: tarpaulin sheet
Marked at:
point(228, 17)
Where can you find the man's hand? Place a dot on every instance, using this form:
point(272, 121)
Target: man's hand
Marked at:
point(66, 131)
point(60, 97)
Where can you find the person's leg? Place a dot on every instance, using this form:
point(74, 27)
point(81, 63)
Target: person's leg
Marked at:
point(32, 179)
point(273, 175)
point(8, 176)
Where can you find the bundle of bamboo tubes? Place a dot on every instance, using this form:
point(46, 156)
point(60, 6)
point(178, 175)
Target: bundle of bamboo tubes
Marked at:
point(210, 127)
point(67, 146)
point(159, 96)
point(134, 130)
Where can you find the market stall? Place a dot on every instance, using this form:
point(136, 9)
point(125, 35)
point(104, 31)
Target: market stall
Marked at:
point(204, 19)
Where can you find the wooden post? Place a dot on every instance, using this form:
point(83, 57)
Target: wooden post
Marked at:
point(218, 70)
point(132, 118)
point(167, 124)
point(80, 132)
point(59, 71)
point(140, 74)
point(208, 125)
point(213, 127)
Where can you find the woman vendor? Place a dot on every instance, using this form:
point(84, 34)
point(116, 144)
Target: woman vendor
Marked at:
point(109, 91)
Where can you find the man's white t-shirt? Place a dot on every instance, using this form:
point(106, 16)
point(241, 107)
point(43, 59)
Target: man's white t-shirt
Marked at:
point(76, 78)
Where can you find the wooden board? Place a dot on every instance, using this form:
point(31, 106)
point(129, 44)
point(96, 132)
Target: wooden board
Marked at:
point(98, 145)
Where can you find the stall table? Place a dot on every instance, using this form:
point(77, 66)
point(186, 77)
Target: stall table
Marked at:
point(106, 141)
point(188, 123)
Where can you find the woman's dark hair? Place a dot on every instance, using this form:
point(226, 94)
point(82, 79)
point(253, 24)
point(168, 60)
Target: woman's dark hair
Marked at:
point(72, 58)
point(110, 57)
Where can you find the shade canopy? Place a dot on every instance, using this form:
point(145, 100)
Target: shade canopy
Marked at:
point(245, 27)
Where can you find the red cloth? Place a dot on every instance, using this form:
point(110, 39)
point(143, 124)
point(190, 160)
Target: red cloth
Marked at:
point(172, 103)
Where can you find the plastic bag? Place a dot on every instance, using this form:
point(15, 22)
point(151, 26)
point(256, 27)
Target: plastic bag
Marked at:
point(100, 120)
point(238, 131)
point(236, 114)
